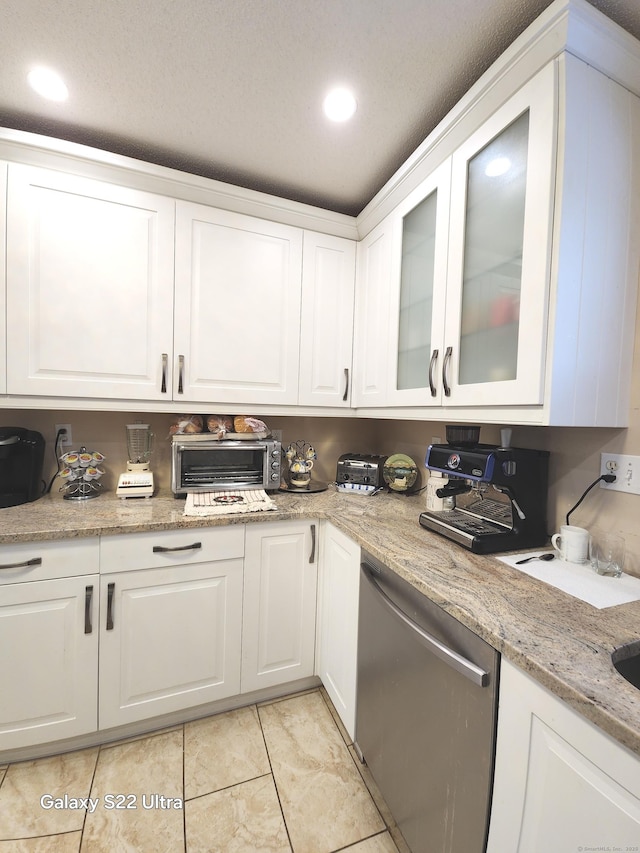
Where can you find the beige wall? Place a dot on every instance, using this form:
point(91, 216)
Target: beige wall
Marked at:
point(574, 463)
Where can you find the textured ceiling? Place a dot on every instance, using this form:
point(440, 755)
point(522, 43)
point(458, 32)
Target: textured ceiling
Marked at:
point(232, 89)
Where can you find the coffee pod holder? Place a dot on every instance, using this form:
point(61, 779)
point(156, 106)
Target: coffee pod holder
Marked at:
point(81, 474)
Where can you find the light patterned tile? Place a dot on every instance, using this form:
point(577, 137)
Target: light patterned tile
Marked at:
point(346, 737)
point(223, 750)
point(22, 814)
point(324, 800)
point(245, 818)
point(67, 843)
point(382, 843)
point(135, 774)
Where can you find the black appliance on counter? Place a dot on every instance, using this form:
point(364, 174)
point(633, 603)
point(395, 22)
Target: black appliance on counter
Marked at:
point(499, 496)
point(21, 460)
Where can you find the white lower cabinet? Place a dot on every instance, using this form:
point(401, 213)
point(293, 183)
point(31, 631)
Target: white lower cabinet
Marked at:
point(171, 625)
point(560, 782)
point(337, 644)
point(279, 619)
point(168, 640)
point(49, 642)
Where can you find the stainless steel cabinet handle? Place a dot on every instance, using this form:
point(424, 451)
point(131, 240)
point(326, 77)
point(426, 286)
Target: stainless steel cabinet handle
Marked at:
point(346, 384)
point(111, 588)
point(461, 664)
point(432, 364)
point(163, 385)
point(180, 374)
point(34, 561)
point(88, 601)
point(161, 549)
point(312, 555)
point(445, 365)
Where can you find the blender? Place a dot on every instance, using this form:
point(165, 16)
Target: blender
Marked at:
point(137, 481)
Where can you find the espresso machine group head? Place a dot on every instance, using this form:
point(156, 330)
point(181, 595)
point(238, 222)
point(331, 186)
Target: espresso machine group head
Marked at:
point(499, 496)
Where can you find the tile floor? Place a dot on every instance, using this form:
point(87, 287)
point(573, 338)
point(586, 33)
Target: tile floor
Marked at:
point(277, 776)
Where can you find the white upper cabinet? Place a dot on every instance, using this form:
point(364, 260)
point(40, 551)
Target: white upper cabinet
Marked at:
point(470, 252)
point(326, 326)
point(89, 287)
point(237, 307)
point(502, 183)
point(3, 277)
point(371, 333)
point(419, 273)
point(520, 308)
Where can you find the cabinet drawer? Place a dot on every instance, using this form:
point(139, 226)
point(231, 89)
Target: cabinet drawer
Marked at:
point(36, 561)
point(170, 548)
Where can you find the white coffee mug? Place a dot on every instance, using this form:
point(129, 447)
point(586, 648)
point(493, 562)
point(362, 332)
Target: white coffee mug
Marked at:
point(572, 544)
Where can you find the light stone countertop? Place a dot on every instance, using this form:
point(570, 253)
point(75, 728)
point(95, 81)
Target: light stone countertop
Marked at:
point(564, 643)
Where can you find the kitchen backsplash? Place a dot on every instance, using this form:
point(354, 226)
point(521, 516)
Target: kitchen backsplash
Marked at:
point(574, 462)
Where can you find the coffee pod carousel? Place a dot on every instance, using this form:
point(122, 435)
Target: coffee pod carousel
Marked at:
point(81, 474)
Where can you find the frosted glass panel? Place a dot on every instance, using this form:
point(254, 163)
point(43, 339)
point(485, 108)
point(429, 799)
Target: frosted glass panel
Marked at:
point(493, 257)
point(416, 294)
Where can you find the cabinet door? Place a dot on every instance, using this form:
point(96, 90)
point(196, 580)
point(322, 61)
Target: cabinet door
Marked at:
point(237, 308)
point(338, 588)
point(560, 782)
point(169, 639)
point(419, 272)
point(89, 287)
point(3, 276)
point(326, 342)
point(373, 284)
point(279, 619)
point(499, 252)
point(49, 660)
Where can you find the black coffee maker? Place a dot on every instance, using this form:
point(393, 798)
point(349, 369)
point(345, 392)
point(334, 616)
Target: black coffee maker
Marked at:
point(496, 495)
point(21, 459)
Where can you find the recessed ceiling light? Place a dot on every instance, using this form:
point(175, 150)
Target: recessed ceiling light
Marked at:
point(48, 84)
point(340, 104)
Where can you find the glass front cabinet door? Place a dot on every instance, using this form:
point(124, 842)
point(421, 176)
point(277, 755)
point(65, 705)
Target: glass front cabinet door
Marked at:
point(502, 185)
point(419, 266)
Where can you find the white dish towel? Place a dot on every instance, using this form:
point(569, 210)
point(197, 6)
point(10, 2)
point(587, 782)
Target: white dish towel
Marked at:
point(227, 503)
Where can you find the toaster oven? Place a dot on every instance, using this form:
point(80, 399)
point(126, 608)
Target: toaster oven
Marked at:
point(201, 463)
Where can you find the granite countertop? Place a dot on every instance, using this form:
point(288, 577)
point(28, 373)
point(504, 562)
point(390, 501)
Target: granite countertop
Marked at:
point(564, 643)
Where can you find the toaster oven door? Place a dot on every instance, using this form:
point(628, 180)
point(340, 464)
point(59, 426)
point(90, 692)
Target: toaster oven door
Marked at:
point(218, 467)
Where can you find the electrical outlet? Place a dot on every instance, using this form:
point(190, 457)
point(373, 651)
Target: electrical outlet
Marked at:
point(626, 469)
point(66, 440)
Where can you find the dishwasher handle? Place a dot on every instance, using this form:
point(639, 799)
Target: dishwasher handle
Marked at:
point(465, 667)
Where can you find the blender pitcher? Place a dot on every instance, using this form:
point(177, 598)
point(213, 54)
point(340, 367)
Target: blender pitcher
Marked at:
point(139, 445)
point(137, 481)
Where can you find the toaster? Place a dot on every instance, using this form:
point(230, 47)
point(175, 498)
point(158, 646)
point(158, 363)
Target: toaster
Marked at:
point(360, 472)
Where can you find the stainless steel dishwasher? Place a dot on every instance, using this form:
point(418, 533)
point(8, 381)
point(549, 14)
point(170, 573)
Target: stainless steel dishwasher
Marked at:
point(426, 714)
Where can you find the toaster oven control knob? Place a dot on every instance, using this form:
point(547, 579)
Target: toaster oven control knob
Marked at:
point(275, 453)
point(275, 476)
point(275, 464)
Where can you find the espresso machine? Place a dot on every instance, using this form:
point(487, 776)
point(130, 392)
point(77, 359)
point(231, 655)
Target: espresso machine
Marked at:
point(495, 498)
